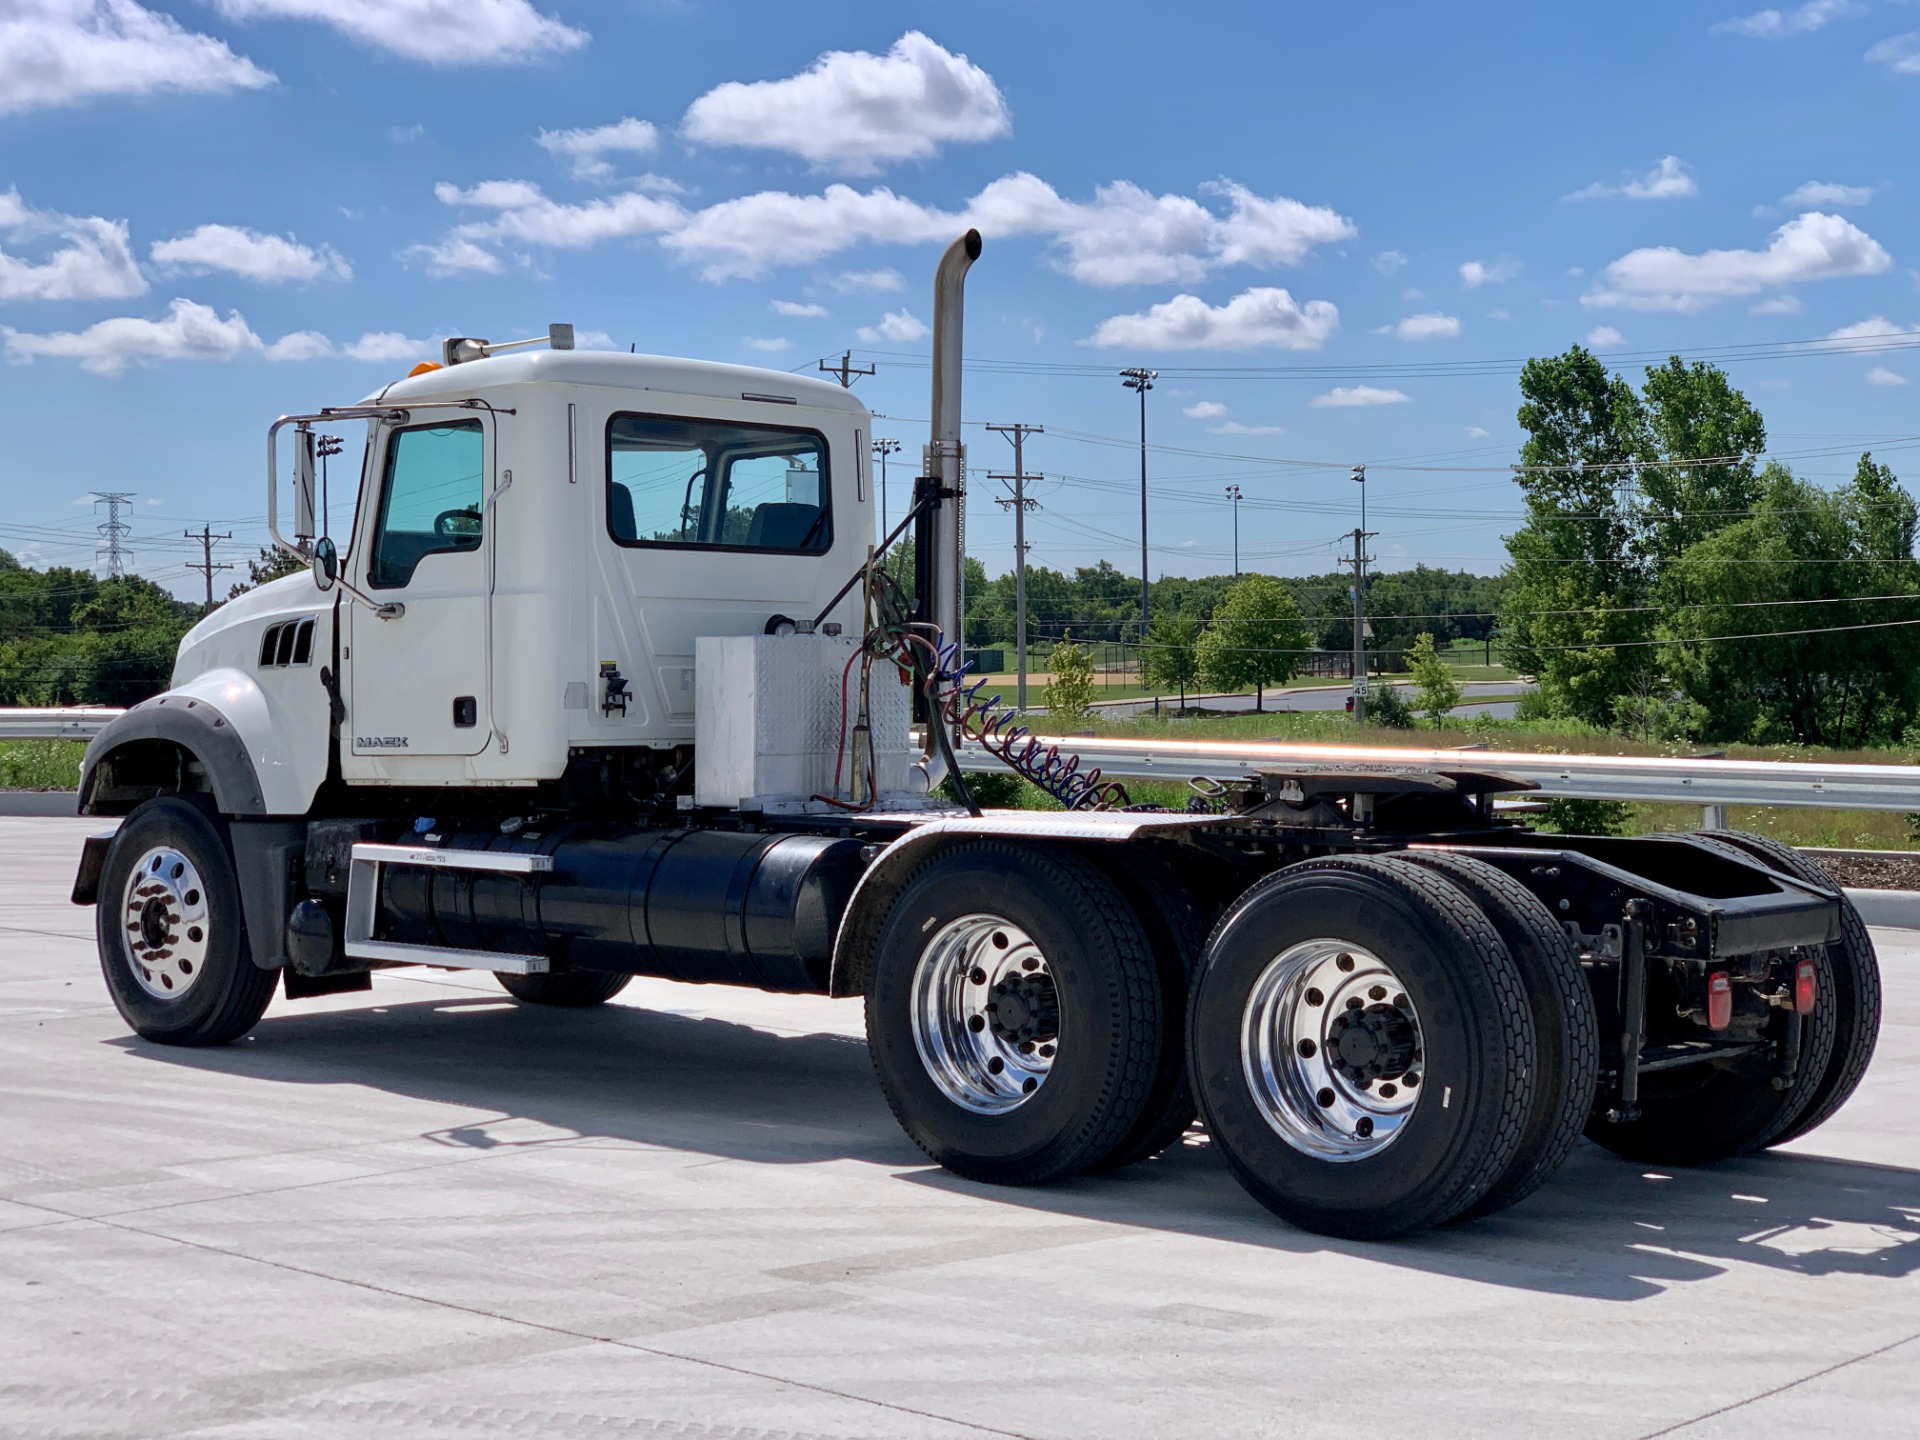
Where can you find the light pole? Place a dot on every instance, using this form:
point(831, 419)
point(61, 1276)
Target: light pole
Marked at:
point(884, 448)
point(1360, 538)
point(1233, 494)
point(1142, 381)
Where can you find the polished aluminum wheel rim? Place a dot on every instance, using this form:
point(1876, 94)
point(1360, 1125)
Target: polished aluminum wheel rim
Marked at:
point(985, 1014)
point(164, 912)
point(1332, 1050)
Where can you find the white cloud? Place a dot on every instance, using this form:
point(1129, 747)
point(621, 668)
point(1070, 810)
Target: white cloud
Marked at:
point(455, 256)
point(439, 32)
point(1124, 236)
point(1900, 54)
point(301, 345)
point(1869, 335)
point(1234, 427)
point(1605, 337)
point(189, 331)
point(796, 310)
point(406, 134)
point(1348, 397)
point(1880, 375)
point(524, 215)
point(1777, 305)
point(1387, 262)
point(1254, 319)
point(770, 344)
point(854, 111)
point(380, 347)
point(1821, 192)
point(1498, 314)
point(1474, 432)
point(62, 52)
point(857, 282)
point(91, 259)
point(1204, 410)
point(898, 326)
point(1668, 180)
point(264, 259)
point(1779, 24)
point(1432, 326)
point(1815, 246)
point(587, 150)
point(1475, 273)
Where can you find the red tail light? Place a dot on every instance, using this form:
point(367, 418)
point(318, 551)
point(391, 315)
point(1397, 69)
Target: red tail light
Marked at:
point(1803, 987)
point(1719, 1001)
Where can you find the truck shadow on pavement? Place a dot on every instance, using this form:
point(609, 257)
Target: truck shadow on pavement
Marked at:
point(1603, 1229)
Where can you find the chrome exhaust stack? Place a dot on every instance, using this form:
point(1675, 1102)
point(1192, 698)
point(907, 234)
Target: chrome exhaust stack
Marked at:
point(940, 534)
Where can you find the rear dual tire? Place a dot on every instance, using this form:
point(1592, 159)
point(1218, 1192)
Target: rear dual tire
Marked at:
point(1014, 1012)
point(1437, 1003)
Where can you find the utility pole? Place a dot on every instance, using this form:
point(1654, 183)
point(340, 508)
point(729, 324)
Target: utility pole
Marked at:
point(329, 446)
point(846, 372)
point(113, 550)
point(1233, 494)
point(1360, 537)
point(1019, 504)
point(1142, 381)
point(206, 567)
point(884, 448)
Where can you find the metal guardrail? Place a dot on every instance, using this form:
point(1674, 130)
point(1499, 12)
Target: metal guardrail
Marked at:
point(81, 722)
point(1706, 783)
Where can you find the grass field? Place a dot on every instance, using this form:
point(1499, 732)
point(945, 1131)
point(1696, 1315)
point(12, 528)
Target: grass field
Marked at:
point(40, 764)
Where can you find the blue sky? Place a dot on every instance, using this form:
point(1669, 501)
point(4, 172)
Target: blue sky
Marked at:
point(1336, 229)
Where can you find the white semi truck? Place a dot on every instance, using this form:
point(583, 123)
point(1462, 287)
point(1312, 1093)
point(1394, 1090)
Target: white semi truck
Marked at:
point(602, 679)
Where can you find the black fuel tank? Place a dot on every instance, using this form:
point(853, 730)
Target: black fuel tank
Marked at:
point(719, 906)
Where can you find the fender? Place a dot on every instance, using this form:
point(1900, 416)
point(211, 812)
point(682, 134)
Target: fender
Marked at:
point(887, 875)
point(121, 769)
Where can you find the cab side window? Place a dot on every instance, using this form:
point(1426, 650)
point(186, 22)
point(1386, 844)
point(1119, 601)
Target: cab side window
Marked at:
point(717, 485)
point(430, 500)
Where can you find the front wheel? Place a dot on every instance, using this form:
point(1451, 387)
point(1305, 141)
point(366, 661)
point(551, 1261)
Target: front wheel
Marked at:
point(1013, 1012)
point(173, 945)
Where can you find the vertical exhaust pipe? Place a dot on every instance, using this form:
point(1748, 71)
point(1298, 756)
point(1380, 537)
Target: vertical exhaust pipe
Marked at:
point(939, 534)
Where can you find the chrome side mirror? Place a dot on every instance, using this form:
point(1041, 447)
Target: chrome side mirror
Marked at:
point(326, 564)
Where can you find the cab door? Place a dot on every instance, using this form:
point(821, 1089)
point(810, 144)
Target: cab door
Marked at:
point(418, 680)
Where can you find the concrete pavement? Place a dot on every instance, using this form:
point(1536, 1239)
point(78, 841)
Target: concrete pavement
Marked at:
point(426, 1212)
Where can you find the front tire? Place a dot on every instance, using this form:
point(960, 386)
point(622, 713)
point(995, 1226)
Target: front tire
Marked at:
point(1362, 1048)
point(172, 940)
point(1013, 1012)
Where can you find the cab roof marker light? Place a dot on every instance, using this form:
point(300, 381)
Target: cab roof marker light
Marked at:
point(460, 349)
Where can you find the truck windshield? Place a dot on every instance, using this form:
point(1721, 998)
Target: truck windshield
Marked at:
point(717, 485)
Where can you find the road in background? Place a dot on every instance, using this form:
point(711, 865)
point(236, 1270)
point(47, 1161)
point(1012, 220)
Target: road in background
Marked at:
point(1322, 698)
point(427, 1211)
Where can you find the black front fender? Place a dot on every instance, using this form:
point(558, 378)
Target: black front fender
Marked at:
point(147, 751)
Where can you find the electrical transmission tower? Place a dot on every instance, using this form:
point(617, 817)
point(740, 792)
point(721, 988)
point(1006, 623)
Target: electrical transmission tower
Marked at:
point(1018, 504)
point(206, 567)
point(113, 552)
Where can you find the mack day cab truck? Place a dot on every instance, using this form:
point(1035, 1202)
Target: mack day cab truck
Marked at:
point(603, 680)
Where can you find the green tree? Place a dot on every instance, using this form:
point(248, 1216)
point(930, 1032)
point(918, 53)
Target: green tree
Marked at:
point(1433, 679)
point(1070, 691)
point(1170, 662)
point(1256, 638)
point(272, 563)
point(1695, 415)
point(1571, 614)
point(1767, 622)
